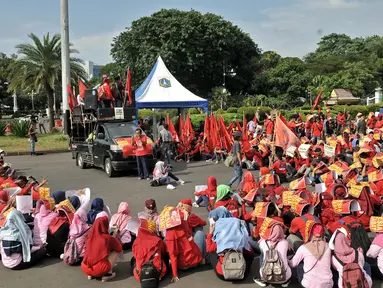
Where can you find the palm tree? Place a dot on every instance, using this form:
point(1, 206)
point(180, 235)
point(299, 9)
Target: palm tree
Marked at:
point(38, 68)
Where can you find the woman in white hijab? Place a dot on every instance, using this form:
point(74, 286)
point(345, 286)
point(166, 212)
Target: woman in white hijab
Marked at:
point(16, 242)
point(163, 176)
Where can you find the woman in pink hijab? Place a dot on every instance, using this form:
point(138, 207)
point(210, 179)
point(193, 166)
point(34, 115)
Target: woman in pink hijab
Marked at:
point(315, 270)
point(43, 217)
point(376, 252)
point(275, 240)
point(119, 222)
point(340, 243)
point(79, 230)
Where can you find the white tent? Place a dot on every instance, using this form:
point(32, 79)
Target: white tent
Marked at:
point(162, 90)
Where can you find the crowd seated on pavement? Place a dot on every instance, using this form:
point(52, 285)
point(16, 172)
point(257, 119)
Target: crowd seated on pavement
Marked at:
point(312, 214)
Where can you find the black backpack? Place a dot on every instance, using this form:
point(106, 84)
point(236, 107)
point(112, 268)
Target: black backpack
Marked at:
point(359, 236)
point(149, 276)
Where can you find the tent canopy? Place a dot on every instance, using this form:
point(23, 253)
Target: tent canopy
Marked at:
point(162, 90)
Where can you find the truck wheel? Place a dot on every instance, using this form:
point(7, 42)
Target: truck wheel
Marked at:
point(80, 161)
point(109, 168)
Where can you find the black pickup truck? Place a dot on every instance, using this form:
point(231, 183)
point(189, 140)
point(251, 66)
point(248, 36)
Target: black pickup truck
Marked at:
point(103, 145)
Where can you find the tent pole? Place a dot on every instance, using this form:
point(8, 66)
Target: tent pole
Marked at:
point(155, 125)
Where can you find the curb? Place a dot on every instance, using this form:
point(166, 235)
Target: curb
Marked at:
point(43, 152)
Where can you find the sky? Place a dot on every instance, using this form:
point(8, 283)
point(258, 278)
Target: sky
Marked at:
point(289, 27)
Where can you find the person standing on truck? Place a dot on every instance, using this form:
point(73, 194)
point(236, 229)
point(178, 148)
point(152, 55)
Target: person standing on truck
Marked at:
point(105, 96)
point(117, 88)
point(139, 142)
point(166, 142)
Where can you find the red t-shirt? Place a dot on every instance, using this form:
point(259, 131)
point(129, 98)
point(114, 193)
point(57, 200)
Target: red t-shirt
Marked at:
point(317, 129)
point(140, 144)
point(279, 167)
point(299, 225)
point(269, 127)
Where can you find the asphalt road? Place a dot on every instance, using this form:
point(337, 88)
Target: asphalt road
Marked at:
point(62, 174)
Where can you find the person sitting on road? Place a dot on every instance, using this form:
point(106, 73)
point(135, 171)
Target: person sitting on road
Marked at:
point(148, 248)
point(225, 199)
point(207, 197)
point(102, 251)
point(58, 230)
point(162, 175)
point(97, 207)
point(315, 271)
point(4, 198)
point(42, 220)
point(16, 244)
point(75, 201)
point(119, 222)
point(185, 251)
point(150, 211)
point(59, 196)
point(78, 232)
point(221, 235)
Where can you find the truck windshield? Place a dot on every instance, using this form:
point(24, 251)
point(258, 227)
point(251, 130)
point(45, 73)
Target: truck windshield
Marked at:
point(118, 130)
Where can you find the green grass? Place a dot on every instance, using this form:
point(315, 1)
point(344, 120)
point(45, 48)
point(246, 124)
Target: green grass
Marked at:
point(45, 142)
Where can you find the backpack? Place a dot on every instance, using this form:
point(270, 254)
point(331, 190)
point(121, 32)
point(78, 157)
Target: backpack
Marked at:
point(359, 236)
point(353, 276)
point(101, 93)
point(149, 276)
point(71, 254)
point(233, 265)
point(230, 160)
point(273, 269)
point(232, 207)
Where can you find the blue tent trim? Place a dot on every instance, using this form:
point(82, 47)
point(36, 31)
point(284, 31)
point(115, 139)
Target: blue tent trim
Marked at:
point(162, 105)
point(141, 90)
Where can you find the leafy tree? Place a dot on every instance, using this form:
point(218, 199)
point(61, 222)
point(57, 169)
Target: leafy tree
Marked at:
point(5, 96)
point(38, 68)
point(113, 70)
point(221, 97)
point(197, 48)
point(288, 82)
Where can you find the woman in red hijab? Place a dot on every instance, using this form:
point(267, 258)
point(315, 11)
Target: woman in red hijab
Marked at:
point(182, 246)
point(101, 252)
point(248, 184)
point(4, 198)
point(148, 247)
point(207, 197)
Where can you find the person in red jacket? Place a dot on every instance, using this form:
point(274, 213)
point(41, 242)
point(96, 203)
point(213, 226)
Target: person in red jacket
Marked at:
point(379, 122)
point(207, 197)
point(185, 251)
point(148, 247)
point(317, 129)
point(225, 198)
point(269, 128)
point(341, 120)
point(105, 96)
point(371, 122)
point(102, 251)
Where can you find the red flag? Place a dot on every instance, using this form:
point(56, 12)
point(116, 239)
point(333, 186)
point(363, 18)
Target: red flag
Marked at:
point(284, 137)
point(317, 100)
point(189, 132)
point(245, 136)
point(71, 99)
point(128, 86)
point(82, 88)
point(172, 129)
point(230, 127)
point(206, 132)
point(225, 136)
point(214, 132)
point(181, 130)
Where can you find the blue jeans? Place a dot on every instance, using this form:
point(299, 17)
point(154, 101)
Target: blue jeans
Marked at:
point(33, 143)
point(203, 201)
point(164, 180)
point(142, 166)
point(315, 139)
point(166, 150)
point(200, 240)
point(237, 175)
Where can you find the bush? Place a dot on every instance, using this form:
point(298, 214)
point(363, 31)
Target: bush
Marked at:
point(195, 119)
point(220, 111)
point(3, 126)
point(193, 111)
point(60, 138)
point(232, 110)
point(19, 128)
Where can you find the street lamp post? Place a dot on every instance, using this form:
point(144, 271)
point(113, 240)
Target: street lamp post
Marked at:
point(65, 63)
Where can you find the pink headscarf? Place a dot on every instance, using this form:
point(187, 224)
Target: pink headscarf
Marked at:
point(276, 235)
point(122, 217)
point(342, 248)
point(43, 218)
point(378, 240)
point(79, 225)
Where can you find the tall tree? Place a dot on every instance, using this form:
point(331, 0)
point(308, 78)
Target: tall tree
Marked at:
point(197, 48)
point(38, 68)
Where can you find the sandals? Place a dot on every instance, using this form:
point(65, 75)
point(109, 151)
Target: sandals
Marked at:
point(108, 277)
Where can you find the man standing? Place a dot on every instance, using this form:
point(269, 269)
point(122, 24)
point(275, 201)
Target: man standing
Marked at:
point(117, 88)
point(236, 150)
point(139, 142)
point(41, 124)
point(166, 142)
